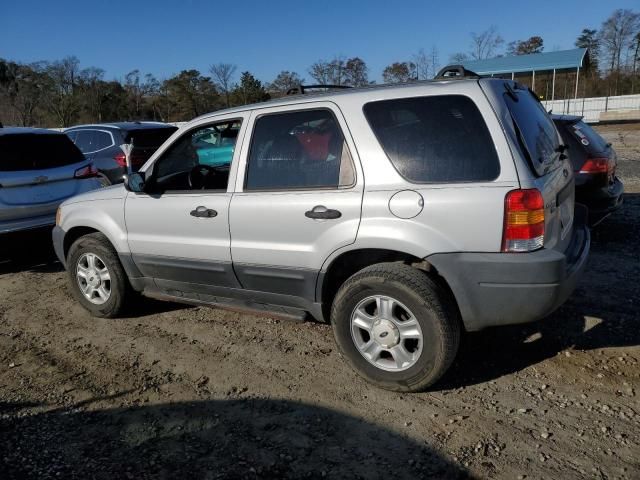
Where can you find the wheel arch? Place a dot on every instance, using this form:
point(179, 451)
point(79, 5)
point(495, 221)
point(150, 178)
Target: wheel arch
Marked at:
point(74, 234)
point(347, 263)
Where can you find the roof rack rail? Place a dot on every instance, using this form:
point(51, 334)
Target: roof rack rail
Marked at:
point(451, 72)
point(300, 89)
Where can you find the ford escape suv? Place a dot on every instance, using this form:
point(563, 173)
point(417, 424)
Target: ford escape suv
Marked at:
point(401, 214)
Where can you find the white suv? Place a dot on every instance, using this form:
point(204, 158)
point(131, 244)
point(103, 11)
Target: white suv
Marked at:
point(401, 214)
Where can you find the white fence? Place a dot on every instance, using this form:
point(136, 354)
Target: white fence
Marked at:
point(591, 108)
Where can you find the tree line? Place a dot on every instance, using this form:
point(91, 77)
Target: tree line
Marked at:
point(61, 93)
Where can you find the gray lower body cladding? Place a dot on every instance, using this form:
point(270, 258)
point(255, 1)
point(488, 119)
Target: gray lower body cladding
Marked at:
point(494, 289)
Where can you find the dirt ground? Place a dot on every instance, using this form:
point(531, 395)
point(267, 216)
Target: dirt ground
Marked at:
point(183, 392)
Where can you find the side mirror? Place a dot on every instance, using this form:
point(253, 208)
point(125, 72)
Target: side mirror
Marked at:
point(134, 182)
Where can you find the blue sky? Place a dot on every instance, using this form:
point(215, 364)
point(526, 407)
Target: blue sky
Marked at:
point(163, 37)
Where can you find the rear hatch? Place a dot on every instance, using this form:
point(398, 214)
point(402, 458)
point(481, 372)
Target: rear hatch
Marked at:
point(145, 142)
point(37, 173)
point(541, 146)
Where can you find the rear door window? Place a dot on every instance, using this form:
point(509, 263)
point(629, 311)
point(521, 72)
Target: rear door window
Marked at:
point(89, 141)
point(35, 151)
point(435, 139)
point(298, 150)
point(537, 134)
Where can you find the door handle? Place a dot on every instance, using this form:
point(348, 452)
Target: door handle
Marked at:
point(322, 212)
point(203, 212)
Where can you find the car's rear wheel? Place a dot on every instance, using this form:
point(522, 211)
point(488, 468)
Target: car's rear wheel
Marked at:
point(96, 276)
point(397, 327)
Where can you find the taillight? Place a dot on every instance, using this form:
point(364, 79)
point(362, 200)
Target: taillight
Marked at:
point(86, 172)
point(597, 165)
point(523, 221)
point(121, 159)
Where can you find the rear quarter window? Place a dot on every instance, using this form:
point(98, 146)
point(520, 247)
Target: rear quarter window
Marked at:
point(436, 139)
point(36, 151)
point(537, 133)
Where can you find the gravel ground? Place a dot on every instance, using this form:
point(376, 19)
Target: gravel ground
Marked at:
point(182, 392)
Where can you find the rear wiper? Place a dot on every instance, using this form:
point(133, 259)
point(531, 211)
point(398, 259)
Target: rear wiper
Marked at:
point(561, 148)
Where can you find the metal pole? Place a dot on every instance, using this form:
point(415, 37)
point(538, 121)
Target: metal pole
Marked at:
point(553, 86)
point(577, 78)
point(533, 81)
point(512, 75)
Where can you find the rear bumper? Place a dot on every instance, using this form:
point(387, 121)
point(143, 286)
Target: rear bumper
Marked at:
point(601, 201)
point(9, 226)
point(494, 289)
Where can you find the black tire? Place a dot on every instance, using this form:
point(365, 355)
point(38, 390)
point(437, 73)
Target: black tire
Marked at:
point(433, 307)
point(99, 245)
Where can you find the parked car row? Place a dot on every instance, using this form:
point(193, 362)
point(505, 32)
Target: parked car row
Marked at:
point(40, 168)
point(101, 144)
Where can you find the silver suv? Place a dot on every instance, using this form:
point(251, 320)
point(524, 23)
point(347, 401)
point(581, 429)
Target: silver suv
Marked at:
point(401, 214)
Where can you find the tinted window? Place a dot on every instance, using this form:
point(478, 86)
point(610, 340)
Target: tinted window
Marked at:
point(92, 140)
point(587, 136)
point(435, 139)
point(536, 131)
point(149, 137)
point(298, 150)
point(32, 151)
point(199, 159)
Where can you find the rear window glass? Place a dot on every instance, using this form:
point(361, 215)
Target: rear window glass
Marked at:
point(149, 137)
point(436, 139)
point(587, 136)
point(31, 151)
point(538, 135)
point(89, 141)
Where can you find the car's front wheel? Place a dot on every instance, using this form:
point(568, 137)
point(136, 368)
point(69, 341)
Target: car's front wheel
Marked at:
point(96, 276)
point(397, 327)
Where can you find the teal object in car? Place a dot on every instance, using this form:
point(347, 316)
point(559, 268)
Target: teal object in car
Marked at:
point(214, 155)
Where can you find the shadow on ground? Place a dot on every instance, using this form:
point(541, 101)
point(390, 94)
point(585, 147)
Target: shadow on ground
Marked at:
point(247, 438)
point(31, 250)
point(602, 312)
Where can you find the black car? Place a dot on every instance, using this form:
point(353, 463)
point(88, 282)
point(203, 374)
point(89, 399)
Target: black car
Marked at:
point(594, 162)
point(101, 144)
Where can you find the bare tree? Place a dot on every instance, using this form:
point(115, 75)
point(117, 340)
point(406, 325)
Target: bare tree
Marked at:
point(434, 58)
point(533, 44)
point(422, 63)
point(616, 35)
point(485, 44)
point(334, 72)
point(284, 82)
point(93, 87)
point(399, 72)
point(223, 78)
point(25, 91)
point(62, 98)
point(356, 72)
point(459, 57)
